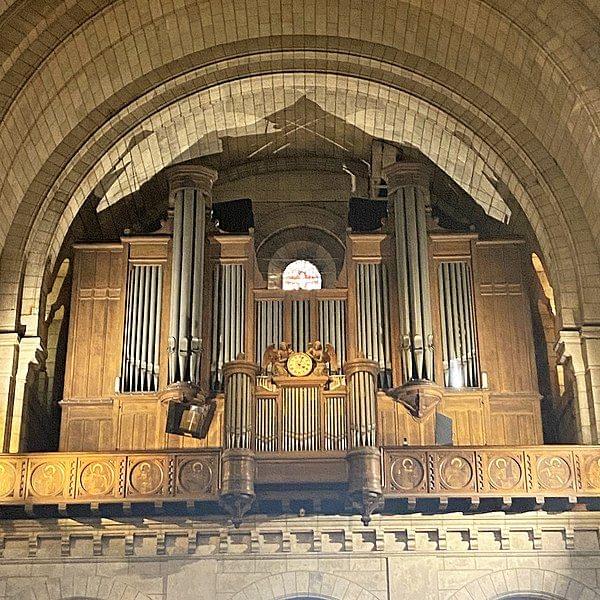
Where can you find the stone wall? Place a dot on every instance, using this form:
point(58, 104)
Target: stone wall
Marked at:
point(420, 557)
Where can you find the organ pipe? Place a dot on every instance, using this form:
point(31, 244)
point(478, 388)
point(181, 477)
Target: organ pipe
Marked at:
point(362, 389)
point(141, 343)
point(408, 187)
point(240, 383)
point(229, 317)
point(268, 325)
point(457, 316)
point(373, 318)
point(190, 197)
point(332, 326)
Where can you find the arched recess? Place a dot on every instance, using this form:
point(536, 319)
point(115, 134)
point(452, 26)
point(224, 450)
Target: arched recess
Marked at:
point(303, 585)
point(390, 112)
point(525, 583)
point(78, 587)
point(461, 86)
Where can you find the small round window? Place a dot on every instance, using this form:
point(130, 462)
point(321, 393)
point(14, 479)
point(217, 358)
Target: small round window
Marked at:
point(301, 275)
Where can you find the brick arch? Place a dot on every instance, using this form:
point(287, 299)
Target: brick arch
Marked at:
point(79, 587)
point(511, 583)
point(307, 585)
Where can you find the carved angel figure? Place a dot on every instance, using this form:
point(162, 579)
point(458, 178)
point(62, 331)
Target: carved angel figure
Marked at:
point(323, 357)
point(275, 359)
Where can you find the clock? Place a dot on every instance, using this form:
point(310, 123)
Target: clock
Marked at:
point(300, 364)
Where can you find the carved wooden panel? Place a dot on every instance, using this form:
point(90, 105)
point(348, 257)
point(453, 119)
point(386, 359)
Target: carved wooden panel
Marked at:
point(503, 317)
point(63, 478)
point(88, 427)
point(469, 412)
point(138, 423)
point(470, 418)
point(148, 476)
point(96, 321)
point(515, 420)
point(502, 471)
point(100, 477)
point(551, 471)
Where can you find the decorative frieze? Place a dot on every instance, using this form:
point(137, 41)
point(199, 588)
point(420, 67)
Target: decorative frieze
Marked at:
point(495, 532)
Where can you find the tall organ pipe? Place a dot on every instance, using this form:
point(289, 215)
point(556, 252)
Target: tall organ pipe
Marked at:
point(457, 316)
point(141, 342)
point(373, 317)
point(190, 197)
point(361, 374)
point(240, 383)
point(408, 188)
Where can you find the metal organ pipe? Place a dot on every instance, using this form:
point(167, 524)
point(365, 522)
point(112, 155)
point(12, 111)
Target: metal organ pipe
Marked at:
point(141, 340)
point(373, 317)
point(190, 197)
point(240, 383)
point(229, 317)
point(362, 376)
point(457, 315)
point(332, 326)
point(408, 187)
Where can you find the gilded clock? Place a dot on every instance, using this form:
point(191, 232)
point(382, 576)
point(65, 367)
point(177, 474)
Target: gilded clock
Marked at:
point(300, 364)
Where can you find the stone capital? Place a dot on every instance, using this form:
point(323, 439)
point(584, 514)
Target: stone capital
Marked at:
point(196, 177)
point(405, 174)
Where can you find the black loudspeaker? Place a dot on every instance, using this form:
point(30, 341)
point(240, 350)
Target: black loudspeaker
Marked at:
point(234, 216)
point(443, 430)
point(366, 215)
point(188, 419)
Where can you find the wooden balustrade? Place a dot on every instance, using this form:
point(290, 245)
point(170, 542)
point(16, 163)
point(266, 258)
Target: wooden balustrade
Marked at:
point(492, 471)
point(87, 478)
point(505, 472)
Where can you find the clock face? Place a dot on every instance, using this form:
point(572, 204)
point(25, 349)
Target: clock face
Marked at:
point(300, 364)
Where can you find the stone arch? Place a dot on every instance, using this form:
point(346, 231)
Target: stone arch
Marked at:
point(518, 583)
point(305, 585)
point(566, 78)
point(549, 223)
point(79, 587)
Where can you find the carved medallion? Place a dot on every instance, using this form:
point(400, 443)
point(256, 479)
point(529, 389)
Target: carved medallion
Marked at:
point(593, 471)
point(553, 472)
point(195, 476)
point(146, 478)
point(8, 478)
point(455, 472)
point(504, 472)
point(407, 473)
point(97, 478)
point(48, 479)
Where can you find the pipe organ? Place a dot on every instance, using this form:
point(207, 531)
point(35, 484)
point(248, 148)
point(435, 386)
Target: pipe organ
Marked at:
point(420, 321)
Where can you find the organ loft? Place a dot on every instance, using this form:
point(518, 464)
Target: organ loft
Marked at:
point(299, 300)
point(378, 361)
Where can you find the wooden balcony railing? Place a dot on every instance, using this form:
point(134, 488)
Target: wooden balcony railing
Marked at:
point(88, 478)
point(504, 472)
point(492, 471)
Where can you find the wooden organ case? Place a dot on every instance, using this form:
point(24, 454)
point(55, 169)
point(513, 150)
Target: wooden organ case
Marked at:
point(422, 322)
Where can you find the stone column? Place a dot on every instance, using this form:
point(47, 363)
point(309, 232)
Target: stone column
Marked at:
point(17, 354)
point(364, 459)
point(408, 189)
point(238, 462)
point(583, 349)
point(190, 188)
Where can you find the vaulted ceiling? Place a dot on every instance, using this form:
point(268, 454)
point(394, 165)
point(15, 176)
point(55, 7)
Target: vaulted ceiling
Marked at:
point(98, 96)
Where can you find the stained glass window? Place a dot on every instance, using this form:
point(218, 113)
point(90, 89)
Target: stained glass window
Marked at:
point(301, 275)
